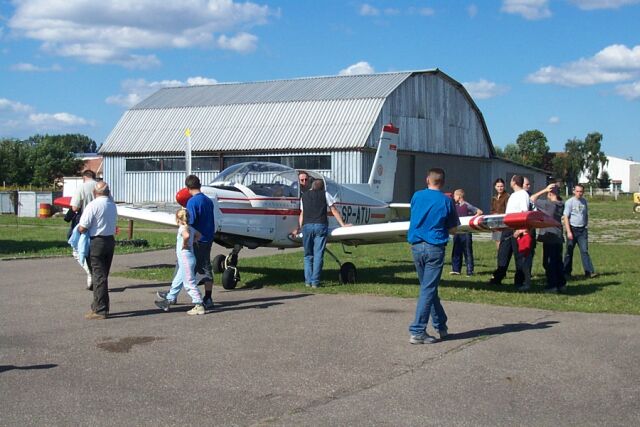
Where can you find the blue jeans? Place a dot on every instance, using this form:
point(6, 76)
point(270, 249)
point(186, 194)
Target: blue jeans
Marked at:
point(314, 241)
point(580, 238)
point(462, 245)
point(429, 260)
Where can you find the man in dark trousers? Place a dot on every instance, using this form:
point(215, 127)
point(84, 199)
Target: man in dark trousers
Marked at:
point(201, 217)
point(433, 218)
point(99, 220)
point(314, 224)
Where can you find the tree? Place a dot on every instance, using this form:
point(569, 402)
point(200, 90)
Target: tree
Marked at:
point(569, 165)
point(15, 162)
point(53, 157)
point(604, 181)
point(594, 157)
point(511, 152)
point(533, 148)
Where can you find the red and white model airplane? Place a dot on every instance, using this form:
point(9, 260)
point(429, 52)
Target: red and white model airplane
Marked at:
point(258, 203)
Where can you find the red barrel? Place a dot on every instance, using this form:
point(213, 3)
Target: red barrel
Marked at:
point(44, 210)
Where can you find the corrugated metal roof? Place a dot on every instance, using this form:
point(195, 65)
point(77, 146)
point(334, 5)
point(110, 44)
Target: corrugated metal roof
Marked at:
point(306, 89)
point(295, 125)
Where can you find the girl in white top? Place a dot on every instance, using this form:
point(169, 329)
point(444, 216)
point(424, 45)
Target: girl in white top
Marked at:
point(185, 273)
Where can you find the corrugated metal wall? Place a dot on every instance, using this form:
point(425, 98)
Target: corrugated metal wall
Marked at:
point(161, 187)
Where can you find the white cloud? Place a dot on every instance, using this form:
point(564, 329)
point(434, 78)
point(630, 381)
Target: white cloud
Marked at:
point(630, 91)
point(19, 118)
point(30, 68)
point(243, 42)
point(472, 11)
point(528, 9)
point(554, 120)
point(426, 11)
point(602, 4)
point(484, 89)
point(361, 67)
point(116, 31)
point(135, 90)
point(368, 10)
point(14, 106)
point(615, 63)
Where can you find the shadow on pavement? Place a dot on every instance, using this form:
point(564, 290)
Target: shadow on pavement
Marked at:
point(500, 330)
point(247, 304)
point(4, 368)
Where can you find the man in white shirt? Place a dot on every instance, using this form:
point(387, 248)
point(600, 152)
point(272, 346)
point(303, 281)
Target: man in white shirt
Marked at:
point(81, 198)
point(99, 221)
point(518, 202)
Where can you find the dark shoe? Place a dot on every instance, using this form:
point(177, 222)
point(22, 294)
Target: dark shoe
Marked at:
point(163, 304)
point(562, 289)
point(443, 333)
point(495, 281)
point(92, 315)
point(207, 303)
point(523, 288)
point(422, 339)
point(550, 290)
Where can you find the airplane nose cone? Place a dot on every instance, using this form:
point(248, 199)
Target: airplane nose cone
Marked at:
point(183, 196)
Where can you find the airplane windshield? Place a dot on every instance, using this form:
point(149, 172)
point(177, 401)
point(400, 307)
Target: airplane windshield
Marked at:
point(264, 179)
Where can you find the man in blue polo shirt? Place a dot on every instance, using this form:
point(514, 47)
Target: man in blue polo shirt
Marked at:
point(433, 218)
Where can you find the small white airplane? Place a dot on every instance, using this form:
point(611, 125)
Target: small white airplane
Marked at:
point(257, 204)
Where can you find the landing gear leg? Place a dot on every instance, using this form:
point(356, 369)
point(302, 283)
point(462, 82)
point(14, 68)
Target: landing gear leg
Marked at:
point(228, 267)
point(348, 273)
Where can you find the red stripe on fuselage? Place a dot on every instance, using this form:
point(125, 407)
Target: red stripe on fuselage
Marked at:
point(283, 212)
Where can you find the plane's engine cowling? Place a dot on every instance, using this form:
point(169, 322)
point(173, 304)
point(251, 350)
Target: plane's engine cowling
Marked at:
point(183, 196)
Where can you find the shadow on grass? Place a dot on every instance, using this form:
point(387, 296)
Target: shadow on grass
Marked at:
point(507, 328)
point(18, 247)
point(246, 304)
point(278, 276)
point(149, 267)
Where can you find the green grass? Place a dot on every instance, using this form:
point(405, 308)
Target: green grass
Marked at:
point(43, 237)
point(388, 269)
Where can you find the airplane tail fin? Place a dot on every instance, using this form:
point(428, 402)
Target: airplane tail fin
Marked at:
point(383, 172)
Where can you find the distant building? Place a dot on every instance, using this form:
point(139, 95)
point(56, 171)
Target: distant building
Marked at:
point(627, 172)
point(327, 124)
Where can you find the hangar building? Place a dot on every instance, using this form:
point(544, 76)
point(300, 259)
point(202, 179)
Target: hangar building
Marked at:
point(328, 124)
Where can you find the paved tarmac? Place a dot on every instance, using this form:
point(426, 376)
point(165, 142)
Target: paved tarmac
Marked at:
point(271, 358)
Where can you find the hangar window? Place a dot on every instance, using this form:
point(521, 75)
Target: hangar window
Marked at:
point(171, 164)
point(296, 162)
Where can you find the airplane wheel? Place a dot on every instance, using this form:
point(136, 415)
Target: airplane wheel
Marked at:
point(229, 278)
point(636, 208)
point(347, 273)
point(218, 263)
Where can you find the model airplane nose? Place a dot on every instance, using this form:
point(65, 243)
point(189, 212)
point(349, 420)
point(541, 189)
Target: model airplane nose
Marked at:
point(183, 196)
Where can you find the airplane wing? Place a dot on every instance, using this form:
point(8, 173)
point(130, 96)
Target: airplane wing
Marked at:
point(147, 215)
point(400, 210)
point(397, 231)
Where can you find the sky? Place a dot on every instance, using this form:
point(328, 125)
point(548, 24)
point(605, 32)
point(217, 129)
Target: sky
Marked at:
point(565, 67)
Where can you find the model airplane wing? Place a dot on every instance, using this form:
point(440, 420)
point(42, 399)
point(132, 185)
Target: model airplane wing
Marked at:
point(397, 231)
point(147, 215)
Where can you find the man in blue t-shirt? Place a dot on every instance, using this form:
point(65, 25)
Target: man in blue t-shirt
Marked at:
point(200, 208)
point(433, 218)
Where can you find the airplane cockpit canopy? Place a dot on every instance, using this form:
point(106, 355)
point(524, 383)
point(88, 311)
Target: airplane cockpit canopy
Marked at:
point(263, 178)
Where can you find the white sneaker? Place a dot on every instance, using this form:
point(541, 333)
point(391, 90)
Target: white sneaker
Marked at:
point(197, 309)
point(89, 283)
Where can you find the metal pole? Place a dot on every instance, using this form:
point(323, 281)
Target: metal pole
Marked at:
point(187, 153)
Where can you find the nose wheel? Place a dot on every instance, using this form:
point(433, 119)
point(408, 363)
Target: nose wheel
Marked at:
point(227, 265)
point(348, 273)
